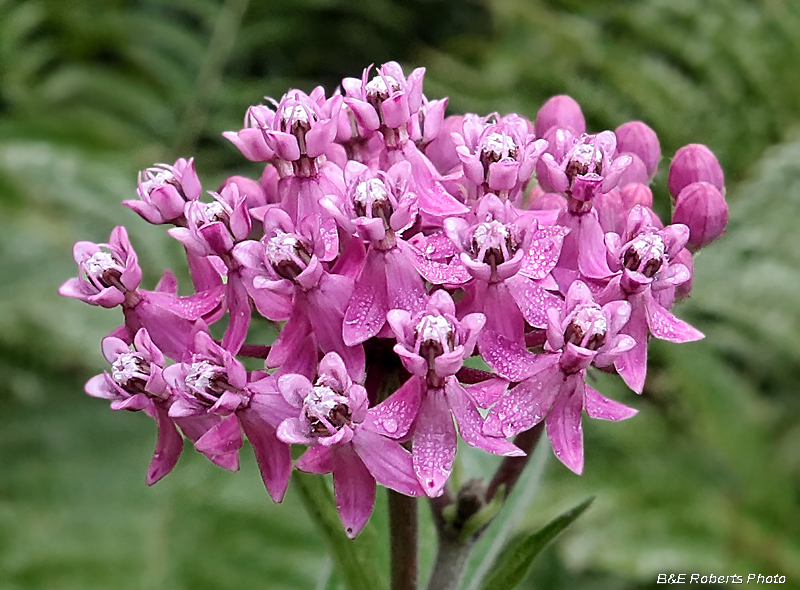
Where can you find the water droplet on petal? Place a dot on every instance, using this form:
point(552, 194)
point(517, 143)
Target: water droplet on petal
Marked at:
point(389, 425)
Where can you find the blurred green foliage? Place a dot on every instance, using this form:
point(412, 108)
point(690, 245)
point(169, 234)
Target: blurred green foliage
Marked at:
point(706, 479)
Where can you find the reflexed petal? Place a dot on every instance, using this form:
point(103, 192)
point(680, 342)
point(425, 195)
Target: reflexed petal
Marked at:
point(388, 462)
point(599, 406)
point(434, 447)
point(367, 309)
point(666, 326)
point(592, 249)
point(632, 365)
point(564, 425)
point(168, 447)
point(221, 443)
point(353, 488)
point(545, 248)
point(532, 300)
point(394, 416)
point(239, 310)
point(507, 358)
point(487, 392)
point(404, 287)
point(273, 456)
point(316, 460)
point(470, 422)
point(525, 405)
point(290, 340)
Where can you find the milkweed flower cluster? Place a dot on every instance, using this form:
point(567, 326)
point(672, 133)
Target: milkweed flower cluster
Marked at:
point(391, 245)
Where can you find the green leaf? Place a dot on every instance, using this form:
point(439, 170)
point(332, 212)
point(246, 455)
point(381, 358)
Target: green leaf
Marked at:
point(354, 559)
point(514, 561)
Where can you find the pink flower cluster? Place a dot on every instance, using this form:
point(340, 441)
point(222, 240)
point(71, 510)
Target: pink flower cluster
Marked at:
point(391, 245)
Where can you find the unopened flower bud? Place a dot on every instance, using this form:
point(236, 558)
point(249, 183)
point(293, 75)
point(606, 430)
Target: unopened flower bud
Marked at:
point(562, 112)
point(637, 138)
point(694, 163)
point(254, 193)
point(702, 208)
point(636, 194)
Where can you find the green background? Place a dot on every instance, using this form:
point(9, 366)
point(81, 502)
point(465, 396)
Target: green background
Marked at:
point(706, 479)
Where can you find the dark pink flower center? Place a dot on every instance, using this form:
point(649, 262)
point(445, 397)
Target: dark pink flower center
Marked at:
point(492, 243)
point(287, 254)
point(371, 200)
point(495, 147)
point(586, 158)
point(436, 336)
point(296, 119)
point(326, 411)
point(206, 382)
point(103, 269)
point(645, 254)
point(131, 371)
point(587, 327)
point(379, 89)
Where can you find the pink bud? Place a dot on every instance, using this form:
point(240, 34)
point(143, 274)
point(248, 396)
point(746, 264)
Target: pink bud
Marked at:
point(560, 111)
point(636, 172)
point(639, 139)
point(702, 208)
point(252, 190)
point(637, 194)
point(442, 150)
point(694, 163)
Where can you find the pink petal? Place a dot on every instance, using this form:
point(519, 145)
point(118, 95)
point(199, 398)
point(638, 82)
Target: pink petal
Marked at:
point(394, 416)
point(564, 425)
point(289, 341)
point(239, 310)
point(273, 456)
point(168, 447)
point(434, 447)
point(507, 358)
point(470, 423)
point(526, 405)
point(295, 431)
point(532, 300)
point(502, 313)
point(545, 248)
point(438, 273)
point(666, 326)
point(592, 249)
point(632, 365)
point(388, 462)
point(221, 443)
point(316, 460)
point(101, 386)
point(404, 287)
point(353, 488)
point(603, 408)
point(367, 309)
point(487, 392)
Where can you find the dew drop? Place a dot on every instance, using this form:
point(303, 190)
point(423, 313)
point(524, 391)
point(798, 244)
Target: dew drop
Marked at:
point(389, 425)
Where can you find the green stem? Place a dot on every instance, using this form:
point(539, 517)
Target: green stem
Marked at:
point(403, 541)
point(451, 561)
point(454, 549)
